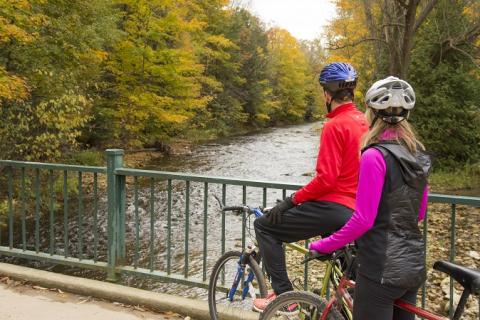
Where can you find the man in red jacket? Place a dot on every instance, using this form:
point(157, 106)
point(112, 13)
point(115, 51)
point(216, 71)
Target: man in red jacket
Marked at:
point(327, 202)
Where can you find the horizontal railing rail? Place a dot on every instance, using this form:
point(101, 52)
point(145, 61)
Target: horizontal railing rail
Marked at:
point(51, 166)
point(139, 222)
point(207, 179)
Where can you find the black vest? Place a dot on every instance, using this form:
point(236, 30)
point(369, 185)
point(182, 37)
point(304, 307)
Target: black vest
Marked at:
point(392, 251)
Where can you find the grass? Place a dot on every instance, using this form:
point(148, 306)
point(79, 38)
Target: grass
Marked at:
point(464, 180)
point(86, 158)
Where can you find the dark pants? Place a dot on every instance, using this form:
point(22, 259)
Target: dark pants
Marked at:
point(375, 301)
point(304, 221)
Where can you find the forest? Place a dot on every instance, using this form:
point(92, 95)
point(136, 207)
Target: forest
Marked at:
point(132, 74)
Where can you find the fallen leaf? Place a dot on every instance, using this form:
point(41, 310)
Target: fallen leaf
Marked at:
point(39, 288)
point(83, 301)
point(138, 308)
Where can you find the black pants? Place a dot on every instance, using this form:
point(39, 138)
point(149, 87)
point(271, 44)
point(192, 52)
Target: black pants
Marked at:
point(375, 301)
point(304, 221)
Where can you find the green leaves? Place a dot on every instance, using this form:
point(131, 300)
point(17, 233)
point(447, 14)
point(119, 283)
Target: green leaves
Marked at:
point(49, 73)
point(126, 73)
point(443, 69)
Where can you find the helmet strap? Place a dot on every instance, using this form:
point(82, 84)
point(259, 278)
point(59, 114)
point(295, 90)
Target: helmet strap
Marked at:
point(390, 118)
point(329, 106)
point(334, 96)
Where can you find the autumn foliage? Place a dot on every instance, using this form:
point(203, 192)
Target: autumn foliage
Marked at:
point(128, 74)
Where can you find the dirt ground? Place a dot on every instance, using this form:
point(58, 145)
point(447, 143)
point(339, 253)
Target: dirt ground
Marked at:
point(21, 301)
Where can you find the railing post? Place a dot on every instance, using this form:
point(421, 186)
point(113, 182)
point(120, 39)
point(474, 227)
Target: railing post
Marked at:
point(116, 238)
point(121, 205)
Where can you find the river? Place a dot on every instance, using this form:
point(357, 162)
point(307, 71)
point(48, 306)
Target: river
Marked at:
point(286, 154)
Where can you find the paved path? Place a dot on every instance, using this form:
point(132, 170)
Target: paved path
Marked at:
point(24, 302)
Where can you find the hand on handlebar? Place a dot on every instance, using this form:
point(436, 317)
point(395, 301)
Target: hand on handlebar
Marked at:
point(315, 255)
point(274, 216)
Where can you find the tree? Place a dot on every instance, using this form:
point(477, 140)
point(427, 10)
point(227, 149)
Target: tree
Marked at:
point(316, 57)
point(154, 72)
point(447, 83)
point(432, 44)
point(220, 54)
point(392, 23)
point(15, 19)
point(289, 75)
point(53, 51)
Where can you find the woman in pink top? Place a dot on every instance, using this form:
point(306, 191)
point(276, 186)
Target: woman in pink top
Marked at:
point(391, 199)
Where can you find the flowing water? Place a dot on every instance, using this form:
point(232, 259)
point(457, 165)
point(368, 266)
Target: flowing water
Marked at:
point(286, 154)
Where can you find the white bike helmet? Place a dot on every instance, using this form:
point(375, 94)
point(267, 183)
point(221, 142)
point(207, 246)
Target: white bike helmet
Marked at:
point(393, 94)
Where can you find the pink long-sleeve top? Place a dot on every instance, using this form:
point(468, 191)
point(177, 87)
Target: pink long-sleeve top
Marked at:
point(370, 186)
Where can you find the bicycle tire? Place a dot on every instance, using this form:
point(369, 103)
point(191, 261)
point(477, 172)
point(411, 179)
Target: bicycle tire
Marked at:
point(216, 271)
point(302, 298)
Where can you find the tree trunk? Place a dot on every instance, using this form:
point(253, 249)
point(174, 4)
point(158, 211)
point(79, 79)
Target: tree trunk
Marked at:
point(374, 34)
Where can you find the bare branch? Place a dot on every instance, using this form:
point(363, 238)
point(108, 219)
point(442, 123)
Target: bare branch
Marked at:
point(426, 10)
point(393, 25)
point(472, 33)
point(354, 44)
point(468, 37)
point(466, 54)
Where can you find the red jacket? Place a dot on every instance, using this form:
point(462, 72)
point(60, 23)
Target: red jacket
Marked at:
point(338, 159)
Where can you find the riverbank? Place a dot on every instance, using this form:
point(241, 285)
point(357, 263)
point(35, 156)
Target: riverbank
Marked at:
point(461, 181)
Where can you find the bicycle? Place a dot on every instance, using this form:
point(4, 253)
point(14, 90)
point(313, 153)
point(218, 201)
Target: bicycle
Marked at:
point(313, 307)
point(243, 268)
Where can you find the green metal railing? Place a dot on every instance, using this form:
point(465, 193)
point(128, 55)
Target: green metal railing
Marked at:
point(40, 192)
point(35, 196)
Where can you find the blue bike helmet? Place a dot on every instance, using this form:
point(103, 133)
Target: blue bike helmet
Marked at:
point(337, 76)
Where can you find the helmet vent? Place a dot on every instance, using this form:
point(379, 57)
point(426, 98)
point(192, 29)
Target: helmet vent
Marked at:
point(384, 98)
point(397, 85)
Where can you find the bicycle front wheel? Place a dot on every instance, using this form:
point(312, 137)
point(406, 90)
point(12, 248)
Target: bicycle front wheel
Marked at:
point(299, 305)
point(225, 295)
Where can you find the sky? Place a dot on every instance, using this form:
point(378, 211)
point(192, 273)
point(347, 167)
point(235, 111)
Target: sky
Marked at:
point(304, 19)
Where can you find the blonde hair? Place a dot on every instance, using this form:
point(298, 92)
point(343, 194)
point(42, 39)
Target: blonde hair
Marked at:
point(403, 132)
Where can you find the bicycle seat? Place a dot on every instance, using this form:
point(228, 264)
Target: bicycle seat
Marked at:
point(468, 278)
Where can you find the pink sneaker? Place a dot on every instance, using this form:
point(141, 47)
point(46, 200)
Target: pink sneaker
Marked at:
point(261, 303)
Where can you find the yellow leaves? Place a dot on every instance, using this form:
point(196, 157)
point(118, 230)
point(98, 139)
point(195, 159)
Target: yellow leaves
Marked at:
point(289, 74)
point(65, 114)
point(10, 31)
point(262, 117)
point(472, 11)
point(344, 39)
point(20, 4)
point(94, 54)
point(39, 20)
point(171, 117)
point(219, 41)
point(12, 88)
point(16, 19)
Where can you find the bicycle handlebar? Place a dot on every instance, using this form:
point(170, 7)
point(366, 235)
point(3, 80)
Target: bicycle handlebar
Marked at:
point(312, 255)
point(234, 208)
